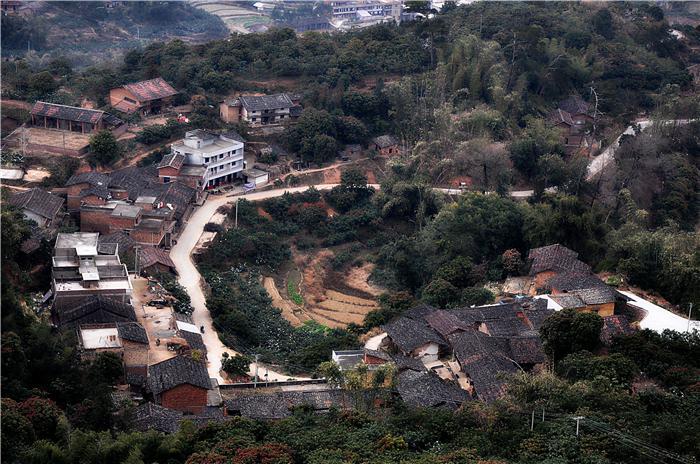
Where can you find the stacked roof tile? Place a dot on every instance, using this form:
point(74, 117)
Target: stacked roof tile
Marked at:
point(153, 89)
point(179, 370)
point(95, 309)
point(38, 201)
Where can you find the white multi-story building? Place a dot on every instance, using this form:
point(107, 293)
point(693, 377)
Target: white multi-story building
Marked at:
point(216, 158)
point(363, 10)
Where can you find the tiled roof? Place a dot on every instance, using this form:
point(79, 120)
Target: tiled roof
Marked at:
point(107, 248)
point(568, 281)
point(384, 141)
point(526, 350)
point(153, 89)
point(195, 340)
point(427, 390)
point(91, 177)
point(265, 102)
point(71, 113)
point(172, 160)
point(38, 201)
point(99, 191)
point(409, 334)
point(95, 310)
point(556, 258)
point(506, 326)
point(177, 371)
point(150, 416)
point(559, 116)
point(406, 362)
point(418, 312)
point(132, 331)
point(280, 404)
point(568, 301)
point(575, 105)
point(148, 256)
point(614, 326)
point(445, 323)
point(121, 238)
point(484, 359)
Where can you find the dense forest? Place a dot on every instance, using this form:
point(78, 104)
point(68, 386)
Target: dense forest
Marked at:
point(466, 92)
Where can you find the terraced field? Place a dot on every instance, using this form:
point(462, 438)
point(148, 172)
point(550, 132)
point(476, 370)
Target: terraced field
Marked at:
point(236, 18)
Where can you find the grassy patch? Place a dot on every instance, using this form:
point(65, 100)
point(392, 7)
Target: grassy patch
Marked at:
point(293, 293)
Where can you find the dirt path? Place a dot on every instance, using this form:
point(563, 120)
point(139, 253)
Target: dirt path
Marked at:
point(280, 303)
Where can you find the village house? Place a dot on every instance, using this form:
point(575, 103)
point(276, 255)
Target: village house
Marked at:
point(145, 97)
point(567, 282)
point(180, 383)
point(40, 206)
point(360, 12)
point(74, 119)
point(128, 340)
point(154, 261)
point(386, 145)
point(95, 309)
point(204, 159)
point(460, 352)
point(80, 271)
point(260, 110)
point(574, 118)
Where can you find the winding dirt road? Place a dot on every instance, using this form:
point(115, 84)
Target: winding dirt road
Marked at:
point(190, 279)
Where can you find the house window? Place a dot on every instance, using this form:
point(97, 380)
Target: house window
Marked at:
point(253, 119)
point(166, 180)
point(221, 156)
point(206, 160)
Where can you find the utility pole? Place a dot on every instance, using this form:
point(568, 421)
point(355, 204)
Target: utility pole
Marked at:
point(236, 223)
point(542, 413)
point(578, 420)
point(136, 260)
point(255, 382)
point(690, 311)
point(532, 421)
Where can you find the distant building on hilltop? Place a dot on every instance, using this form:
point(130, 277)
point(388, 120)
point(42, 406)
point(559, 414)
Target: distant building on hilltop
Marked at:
point(356, 12)
point(145, 97)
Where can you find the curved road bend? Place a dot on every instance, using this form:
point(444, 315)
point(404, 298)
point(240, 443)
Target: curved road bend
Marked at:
point(190, 279)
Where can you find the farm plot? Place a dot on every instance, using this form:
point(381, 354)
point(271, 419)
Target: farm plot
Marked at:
point(236, 18)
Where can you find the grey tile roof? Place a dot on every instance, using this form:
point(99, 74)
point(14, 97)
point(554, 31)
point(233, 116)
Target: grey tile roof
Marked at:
point(233, 135)
point(71, 113)
point(172, 160)
point(576, 105)
point(38, 201)
point(484, 359)
point(407, 363)
point(265, 102)
point(132, 331)
point(193, 339)
point(278, 405)
point(568, 281)
point(100, 191)
point(559, 116)
point(409, 334)
point(556, 258)
point(121, 238)
point(92, 178)
point(445, 323)
point(427, 390)
point(384, 141)
point(176, 371)
point(150, 416)
point(95, 310)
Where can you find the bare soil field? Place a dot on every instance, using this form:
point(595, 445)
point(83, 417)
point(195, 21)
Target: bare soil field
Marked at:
point(331, 298)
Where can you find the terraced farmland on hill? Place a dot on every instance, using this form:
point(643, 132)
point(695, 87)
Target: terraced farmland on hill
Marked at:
point(236, 18)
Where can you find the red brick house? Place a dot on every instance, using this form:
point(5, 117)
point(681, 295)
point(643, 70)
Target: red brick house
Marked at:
point(386, 145)
point(180, 383)
point(146, 97)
